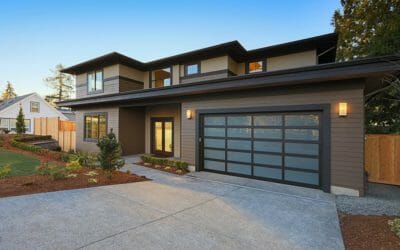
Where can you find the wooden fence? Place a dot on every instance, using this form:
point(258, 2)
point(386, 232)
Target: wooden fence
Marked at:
point(382, 158)
point(62, 131)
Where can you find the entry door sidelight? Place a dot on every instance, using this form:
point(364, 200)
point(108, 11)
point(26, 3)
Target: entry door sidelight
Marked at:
point(162, 136)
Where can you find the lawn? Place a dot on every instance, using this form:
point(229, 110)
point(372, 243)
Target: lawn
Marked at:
point(21, 164)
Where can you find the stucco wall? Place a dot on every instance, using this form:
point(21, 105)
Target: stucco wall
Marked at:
point(295, 60)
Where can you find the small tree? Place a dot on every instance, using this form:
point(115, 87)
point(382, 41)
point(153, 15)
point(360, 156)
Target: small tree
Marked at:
point(9, 92)
point(20, 124)
point(110, 153)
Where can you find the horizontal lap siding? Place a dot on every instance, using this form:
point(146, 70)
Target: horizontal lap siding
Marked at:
point(347, 134)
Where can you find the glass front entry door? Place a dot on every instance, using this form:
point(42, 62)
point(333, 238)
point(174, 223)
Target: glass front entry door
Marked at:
point(162, 136)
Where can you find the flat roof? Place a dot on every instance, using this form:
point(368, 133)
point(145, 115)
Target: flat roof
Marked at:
point(233, 49)
point(360, 68)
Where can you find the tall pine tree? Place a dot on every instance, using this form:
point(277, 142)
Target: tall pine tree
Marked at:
point(62, 85)
point(372, 28)
point(9, 92)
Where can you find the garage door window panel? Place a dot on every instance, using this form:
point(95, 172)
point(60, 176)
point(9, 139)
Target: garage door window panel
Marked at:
point(302, 177)
point(214, 121)
point(267, 146)
point(239, 156)
point(302, 148)
point(268, 159)
point(239, 120)
point(239, 132)
point(239, 168)
point(214, 154)
point(214, 165)
point(302, 134)
point(268, 120)
point(214, 143)
point(302, 120)
point(266, 172)
point(214, 132)
point(302, 163)
point(239, 145)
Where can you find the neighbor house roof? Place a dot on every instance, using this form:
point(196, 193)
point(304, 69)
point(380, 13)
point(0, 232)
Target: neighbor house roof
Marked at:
point(7, 103)
point(233, 49)
point(361, 68)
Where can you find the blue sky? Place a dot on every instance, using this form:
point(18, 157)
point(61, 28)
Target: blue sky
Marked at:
point(37, 35)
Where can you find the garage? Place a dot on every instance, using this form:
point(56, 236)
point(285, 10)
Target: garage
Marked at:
point(286, 147)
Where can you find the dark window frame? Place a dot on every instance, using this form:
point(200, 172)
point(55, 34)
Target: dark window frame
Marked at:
point(102, 82)
point(98, 114)
point(151, 77)
point(152, 135)
point(38, 107)
point(264, 65)
point(186, 73)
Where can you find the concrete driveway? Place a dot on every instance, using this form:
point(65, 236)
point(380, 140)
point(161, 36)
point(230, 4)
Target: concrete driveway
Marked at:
point(199, 211)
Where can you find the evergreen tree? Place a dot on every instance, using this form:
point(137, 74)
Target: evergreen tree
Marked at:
point(372, 28)
point(62, 85)
point(110, 153)
point(20, 124)
point(9, 92)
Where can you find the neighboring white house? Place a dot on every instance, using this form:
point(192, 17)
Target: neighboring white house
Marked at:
point(32, 105)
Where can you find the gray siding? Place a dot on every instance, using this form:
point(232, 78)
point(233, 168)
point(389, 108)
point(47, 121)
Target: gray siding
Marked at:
point(112, 122)
point(347, 134)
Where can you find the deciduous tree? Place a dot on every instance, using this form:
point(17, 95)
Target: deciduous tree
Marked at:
point(62, 85)
point(9, 92)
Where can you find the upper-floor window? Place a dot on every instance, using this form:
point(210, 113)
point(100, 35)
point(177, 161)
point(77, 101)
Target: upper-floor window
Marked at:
point(95, 81)
point(35, 107)
point(192, 69)
point(256, 66)
point(161, 77)
point(95, 126)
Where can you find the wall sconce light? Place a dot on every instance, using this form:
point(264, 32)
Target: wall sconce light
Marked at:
point(189, 114)
point(342, 109)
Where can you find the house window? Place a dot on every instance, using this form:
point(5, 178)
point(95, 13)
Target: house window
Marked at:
point(256, 66)
point(95, 126)
point(10, 124)
point(161, 78)
point(35, 107)
point(95, 81)
point(192, 69)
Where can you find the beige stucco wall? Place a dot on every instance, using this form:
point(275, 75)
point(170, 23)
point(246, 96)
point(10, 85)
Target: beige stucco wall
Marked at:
point(130, 72)
point(164, 111)
point(112, 122)
point(175, 74)
point(347, 134)
point(295, 60)
point(214, 64)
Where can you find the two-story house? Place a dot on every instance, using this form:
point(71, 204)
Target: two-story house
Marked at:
point(287, 113)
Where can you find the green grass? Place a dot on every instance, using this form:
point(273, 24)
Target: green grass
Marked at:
point(20, 164)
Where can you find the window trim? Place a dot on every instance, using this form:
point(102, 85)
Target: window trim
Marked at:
point(185, 72)
point(264, 66)
point(102, 82)
point(151, 77)
point(85, 138)
point(32, 102)
point(28, 128)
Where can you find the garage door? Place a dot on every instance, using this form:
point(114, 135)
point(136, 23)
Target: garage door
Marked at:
point(282, 147)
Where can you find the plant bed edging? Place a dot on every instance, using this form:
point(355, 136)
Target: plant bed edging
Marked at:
point(172, 170)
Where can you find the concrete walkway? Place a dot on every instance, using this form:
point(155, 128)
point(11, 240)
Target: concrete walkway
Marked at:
point(197, 211)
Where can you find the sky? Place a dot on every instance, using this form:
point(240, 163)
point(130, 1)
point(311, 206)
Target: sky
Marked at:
point(37, 35)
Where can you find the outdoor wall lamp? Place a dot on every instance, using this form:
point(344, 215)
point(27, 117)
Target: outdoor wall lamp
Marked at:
point(189, 114)
point(342, 109)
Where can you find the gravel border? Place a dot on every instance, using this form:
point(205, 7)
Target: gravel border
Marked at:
point(380, 200)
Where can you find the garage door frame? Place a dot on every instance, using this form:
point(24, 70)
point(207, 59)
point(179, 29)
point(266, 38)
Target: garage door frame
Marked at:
point(326, 140)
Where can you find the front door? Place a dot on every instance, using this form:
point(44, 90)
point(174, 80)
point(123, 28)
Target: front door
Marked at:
point(162, 136)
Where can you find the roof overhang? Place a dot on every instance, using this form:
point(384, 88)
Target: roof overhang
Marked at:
point(370, 68)
point(234, 49)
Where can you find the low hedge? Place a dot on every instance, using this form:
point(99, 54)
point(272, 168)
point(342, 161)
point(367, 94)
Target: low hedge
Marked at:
point(27, 138)
point(19, 142)
point(181, 165)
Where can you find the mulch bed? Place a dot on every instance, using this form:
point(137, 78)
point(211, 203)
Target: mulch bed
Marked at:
point(21, 185)
point(172, 170)
point(368, 232)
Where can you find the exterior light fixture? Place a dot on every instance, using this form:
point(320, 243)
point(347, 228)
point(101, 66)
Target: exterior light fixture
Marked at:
point(189, 114)
point(342, 109)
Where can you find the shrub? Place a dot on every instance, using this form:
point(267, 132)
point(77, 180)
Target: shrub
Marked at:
point(27, 138)
point(181, 165)
point(65, 157)
point(73, 166)
point(43, 169)
point(92, 180)
point(110, 153)
point(5, 171)
point(395, 226)
point(58, 172)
